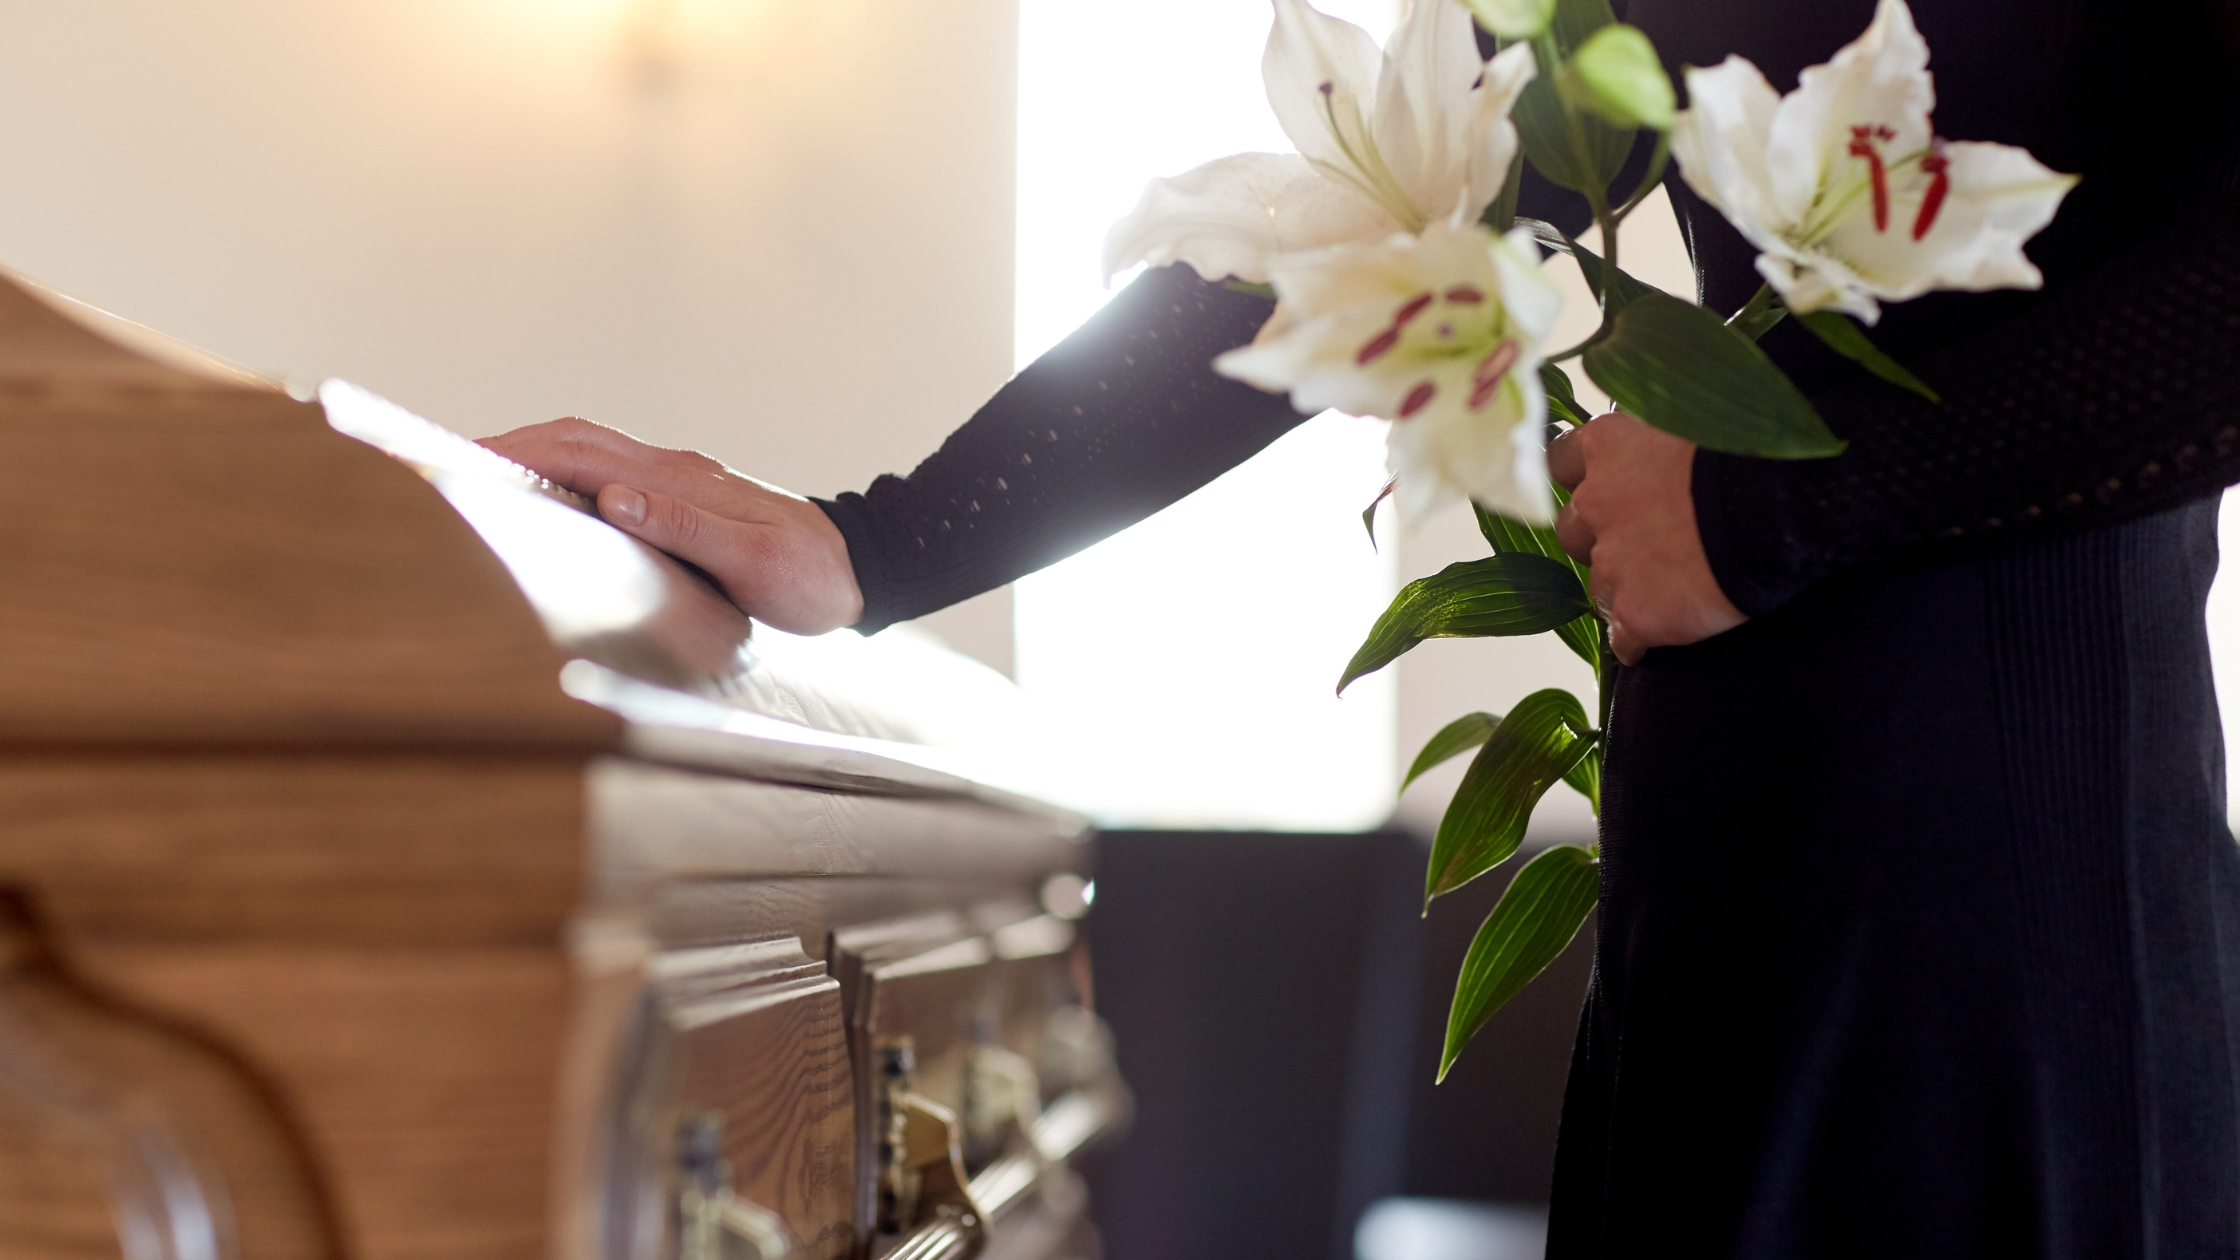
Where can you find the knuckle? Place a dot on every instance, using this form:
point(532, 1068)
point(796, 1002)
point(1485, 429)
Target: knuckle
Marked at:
point(681, 524)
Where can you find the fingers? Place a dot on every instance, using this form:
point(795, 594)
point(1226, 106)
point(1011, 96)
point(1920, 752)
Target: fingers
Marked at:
point(671, 524)
point(1574, 535)
point(572, 452)
point(1567, 458)
point(792, 573)
point(1626, 645)
point(586, 457)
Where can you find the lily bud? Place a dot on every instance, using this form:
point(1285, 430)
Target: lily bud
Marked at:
point(1513, 19)
point(1616, 74)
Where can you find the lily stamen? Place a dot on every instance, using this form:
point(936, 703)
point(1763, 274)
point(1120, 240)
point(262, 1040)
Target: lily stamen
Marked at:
point(1865, 142)
point(1417, 399)
point(1935, 166)
point(1369, 173)
point(1376, 347)
point(1490, 370)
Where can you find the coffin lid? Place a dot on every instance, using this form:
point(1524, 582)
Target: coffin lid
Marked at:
point(201, 560)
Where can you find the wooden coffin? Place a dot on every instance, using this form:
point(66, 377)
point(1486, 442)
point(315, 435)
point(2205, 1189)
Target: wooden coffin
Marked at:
point(396, 862)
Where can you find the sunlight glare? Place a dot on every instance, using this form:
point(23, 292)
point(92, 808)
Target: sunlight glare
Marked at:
point(1189, 662)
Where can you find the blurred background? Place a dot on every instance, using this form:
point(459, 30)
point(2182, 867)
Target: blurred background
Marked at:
point(810, 237)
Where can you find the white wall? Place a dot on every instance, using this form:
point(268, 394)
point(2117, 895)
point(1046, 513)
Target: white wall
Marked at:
point(1188, 664)
point(779, 230)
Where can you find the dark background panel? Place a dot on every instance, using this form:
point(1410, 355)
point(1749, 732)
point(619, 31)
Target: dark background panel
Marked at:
point(1278, 1002)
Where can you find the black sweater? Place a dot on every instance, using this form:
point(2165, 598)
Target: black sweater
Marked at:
point(2106, 396)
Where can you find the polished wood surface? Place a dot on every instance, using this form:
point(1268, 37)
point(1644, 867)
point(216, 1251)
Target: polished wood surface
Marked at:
point(196, 558)
point(761, 1044)
point(418, 868)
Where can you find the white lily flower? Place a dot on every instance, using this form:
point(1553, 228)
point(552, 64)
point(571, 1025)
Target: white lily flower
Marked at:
point(1387, 141)
point(1439, 333)
point(1846, 188)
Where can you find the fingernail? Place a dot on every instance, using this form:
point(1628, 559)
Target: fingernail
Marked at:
point(624, 505)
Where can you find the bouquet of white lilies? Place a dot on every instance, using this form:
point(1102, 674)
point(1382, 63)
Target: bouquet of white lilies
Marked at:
point(1408, 289)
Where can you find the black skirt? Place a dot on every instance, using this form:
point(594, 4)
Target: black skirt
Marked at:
point(1920, 925)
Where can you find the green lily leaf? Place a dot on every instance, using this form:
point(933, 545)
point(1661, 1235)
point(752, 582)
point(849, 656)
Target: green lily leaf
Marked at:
point(1586, 777)
point(1501, 212)
point(1546, 234)
point(1563, 404)
point(1535, 745)
point(1513, 19)
point(1454, 739)
point(1630, 290)
point(1850, 341)
point(1544, 907)
point(1369, 513)
point(1616, 74)
point(1509, 537)
point(1677, 367)
point(1497, 596)
point(1539, 112)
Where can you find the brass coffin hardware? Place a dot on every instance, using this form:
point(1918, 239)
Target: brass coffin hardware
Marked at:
point(922, 1188)
point(714, 1223)
point(1097, 1104)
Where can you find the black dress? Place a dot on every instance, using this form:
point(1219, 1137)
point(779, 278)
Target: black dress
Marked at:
point(1920, 926)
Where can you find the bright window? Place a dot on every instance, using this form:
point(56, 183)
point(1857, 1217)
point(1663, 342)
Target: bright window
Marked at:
point(1189, 662)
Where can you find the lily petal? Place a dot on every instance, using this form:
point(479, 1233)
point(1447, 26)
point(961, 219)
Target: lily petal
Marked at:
point(1999, 197)
point(1844, 188)
point(1497, 456)
point(1321, 74)
point(1493, 137)
point(1880, 79)
point(1721, 140)
point(1229, 216)
point(1532, 300)
point(1423, 122)
point(1439, 333)
point(1808, 284)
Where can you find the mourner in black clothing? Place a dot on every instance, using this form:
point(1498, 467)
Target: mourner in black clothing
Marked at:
point(1920, 925)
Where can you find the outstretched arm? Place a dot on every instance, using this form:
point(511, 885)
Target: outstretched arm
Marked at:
point(1121, 419)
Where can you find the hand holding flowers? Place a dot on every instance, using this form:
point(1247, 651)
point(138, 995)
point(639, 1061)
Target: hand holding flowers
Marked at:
point(1408, 290)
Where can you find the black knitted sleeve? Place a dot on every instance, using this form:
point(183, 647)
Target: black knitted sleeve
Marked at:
point(1122, 418)
point(2117, 397)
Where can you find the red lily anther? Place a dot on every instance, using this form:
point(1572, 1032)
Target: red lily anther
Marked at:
point(1864, 142)
point(1937, 167)
point(1487, 376)
point(1416, 399)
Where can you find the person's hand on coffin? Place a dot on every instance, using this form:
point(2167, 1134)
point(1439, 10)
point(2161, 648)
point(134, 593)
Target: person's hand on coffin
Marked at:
point(777, 555)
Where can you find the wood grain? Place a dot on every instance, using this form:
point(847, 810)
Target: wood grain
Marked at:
point(335, 882)
point(108, 1108)
point(762, 1042)
point(262, 580)
point(388, 850)
point(425, 1078)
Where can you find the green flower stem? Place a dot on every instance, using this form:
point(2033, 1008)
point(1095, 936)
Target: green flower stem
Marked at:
point(1651, 177)
point(1759, 314)
point(1605, 677)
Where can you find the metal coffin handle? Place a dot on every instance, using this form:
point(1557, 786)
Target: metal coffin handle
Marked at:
point(926, 1151)
point(713, 1223)
point(1056, 1133)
